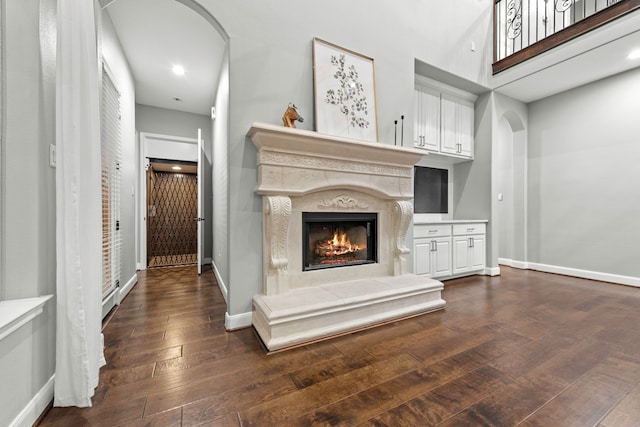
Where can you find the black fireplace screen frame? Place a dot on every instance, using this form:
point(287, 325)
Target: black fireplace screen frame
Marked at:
point(371, 220)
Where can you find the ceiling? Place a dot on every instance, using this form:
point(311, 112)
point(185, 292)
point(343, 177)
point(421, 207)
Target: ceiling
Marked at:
point(174, 166)
point(158, 34)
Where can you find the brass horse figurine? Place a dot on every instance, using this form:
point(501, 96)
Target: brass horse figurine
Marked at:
point(291, 115)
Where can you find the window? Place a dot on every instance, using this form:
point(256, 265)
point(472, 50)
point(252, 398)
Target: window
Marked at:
point(110, 142)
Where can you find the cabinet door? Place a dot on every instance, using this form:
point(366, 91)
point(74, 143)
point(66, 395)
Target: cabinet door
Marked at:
point(477, 255)
point(431, 114)
point(426, 130)
point(418, 119)
point(465, 128)
point(449, 120)
point(461, 259)
point(457, 126)
point(422, 257)
point(441, 264)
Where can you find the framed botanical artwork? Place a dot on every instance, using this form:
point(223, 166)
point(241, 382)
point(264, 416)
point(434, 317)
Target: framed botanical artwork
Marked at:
point(345, 92)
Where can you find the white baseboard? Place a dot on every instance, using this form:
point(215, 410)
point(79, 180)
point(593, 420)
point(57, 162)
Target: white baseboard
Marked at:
point(237, 321)
point(586, 274)
point(492, 271)
point(505, 261)
point(124, 290)
point(520, 264)
point(140, 266)
point(523, 265)
point(28, 416)
point(221, 284)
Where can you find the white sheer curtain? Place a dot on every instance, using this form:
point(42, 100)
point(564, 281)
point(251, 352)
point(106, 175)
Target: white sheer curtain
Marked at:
point(78, 207)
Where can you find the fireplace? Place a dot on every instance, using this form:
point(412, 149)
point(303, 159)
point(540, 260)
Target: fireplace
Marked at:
point(338, 239)
point(332, 202)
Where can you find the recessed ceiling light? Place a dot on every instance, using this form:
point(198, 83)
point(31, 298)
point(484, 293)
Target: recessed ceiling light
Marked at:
point(634, 54)
point(178, 70)
point(176, 168)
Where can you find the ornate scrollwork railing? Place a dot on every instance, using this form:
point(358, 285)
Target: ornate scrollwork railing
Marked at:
point(522, 23)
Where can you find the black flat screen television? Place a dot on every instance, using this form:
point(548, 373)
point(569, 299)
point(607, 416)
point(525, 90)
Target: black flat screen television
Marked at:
point(430, 190)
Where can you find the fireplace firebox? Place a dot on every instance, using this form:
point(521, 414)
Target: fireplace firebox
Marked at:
point(337, 239)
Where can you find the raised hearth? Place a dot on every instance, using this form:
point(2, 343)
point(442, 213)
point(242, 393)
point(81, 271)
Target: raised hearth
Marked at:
point(359, 188)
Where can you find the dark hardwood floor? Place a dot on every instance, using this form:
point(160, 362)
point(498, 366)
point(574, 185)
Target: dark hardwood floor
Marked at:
point(524, 348)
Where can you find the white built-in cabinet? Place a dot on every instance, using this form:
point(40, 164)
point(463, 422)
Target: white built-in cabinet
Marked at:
point(443, 250)
point(444, 122)
point(432, 250)
point(469, 248)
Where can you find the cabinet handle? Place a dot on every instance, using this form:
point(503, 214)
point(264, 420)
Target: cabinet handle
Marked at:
point(471, 229)
point(472, 242)
point(432, 231)
point(433, 246)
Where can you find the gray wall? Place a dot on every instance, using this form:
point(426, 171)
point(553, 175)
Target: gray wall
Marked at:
point(271, 65)
point(220, 178)
point(472, 180)
point(28, 191)
point(584, 179)
point(178, 123)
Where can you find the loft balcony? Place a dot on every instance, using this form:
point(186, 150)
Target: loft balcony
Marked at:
point(524, 29)
point(576, 43)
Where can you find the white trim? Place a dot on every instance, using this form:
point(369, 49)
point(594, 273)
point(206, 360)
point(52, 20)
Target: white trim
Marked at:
point(421, 80)
point(36, 406)
point(123, 291)
point(237, 321)
point(492, 271)
point(505, 261)
point(16, 313)
point(109, 302)
point(586, 274)
point(221, 284)
point(523, 265)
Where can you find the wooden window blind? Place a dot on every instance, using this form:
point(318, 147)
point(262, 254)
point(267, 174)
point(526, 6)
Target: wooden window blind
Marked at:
point(110, 143)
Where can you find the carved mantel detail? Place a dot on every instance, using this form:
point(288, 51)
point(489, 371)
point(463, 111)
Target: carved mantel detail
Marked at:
point(342, 201)
point(402, 214)
point(277, 211)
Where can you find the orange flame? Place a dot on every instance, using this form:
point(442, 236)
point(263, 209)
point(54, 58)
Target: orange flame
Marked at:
point(340, 244)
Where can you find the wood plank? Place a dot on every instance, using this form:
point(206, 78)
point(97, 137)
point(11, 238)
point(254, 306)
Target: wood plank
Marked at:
point(592, 396)
point(626, 413)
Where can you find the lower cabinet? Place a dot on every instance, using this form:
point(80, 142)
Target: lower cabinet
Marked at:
point(446, 250)
point(433, 256)
point(468, 253)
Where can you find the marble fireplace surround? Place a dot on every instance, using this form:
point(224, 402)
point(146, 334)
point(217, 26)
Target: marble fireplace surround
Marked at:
point(302, 171)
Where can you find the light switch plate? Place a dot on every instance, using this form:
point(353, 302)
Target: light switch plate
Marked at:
point(52, 155)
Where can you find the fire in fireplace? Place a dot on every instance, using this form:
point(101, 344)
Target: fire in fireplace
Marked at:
point(334, 239)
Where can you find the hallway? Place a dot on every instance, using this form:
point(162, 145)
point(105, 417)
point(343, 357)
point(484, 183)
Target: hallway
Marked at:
point(523, 348)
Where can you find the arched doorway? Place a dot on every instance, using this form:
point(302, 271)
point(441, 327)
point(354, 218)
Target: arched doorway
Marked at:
point(155, 35)
point(511, 168)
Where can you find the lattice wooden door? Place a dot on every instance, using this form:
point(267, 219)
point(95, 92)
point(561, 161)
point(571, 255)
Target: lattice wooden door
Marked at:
point(172, 213)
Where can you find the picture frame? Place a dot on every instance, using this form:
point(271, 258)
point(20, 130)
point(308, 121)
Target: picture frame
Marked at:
point(344, 88)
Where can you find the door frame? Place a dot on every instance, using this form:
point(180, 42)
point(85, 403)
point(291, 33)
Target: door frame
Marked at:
point(182, 152)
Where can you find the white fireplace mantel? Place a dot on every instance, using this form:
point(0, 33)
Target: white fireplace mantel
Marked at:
point(302, 171)
point(296, 162)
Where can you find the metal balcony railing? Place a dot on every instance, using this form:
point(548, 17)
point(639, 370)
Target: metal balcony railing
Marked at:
point(525, 28)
